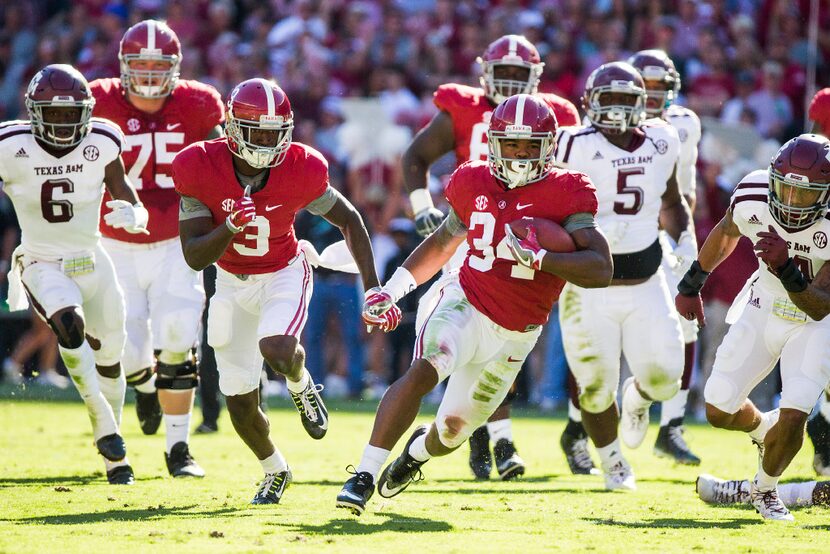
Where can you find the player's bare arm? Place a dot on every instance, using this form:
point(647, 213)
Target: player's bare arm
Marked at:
point(436, 250)
point(115, 179)
point(815, 299)
point(590, 266)
point(203, 242)
point(345, 217)
point(675, 216)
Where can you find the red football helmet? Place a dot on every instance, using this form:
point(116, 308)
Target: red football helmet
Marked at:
point(603, 99)
point(150, 41)
point(510, 50)
point(521, 117)
point(258, 104)
point(661, 79)
point(60, 86)
point(799, 182)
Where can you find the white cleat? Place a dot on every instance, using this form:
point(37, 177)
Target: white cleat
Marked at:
point(768, 504)
point(619, 476)
point(712, 490)
point(633, 423)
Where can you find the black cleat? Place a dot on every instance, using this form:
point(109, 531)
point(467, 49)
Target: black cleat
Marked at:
point(271, 487)
point(148, 410)
point(574, 443)
point(180, 463)
point(112, 447)
point(818, 430)
point(356, 492)
point(481, 461)
point(313, 413)
point(404, 470)
point(508, 462)
point(670, 444)
point(121, 475)
point(206, 428)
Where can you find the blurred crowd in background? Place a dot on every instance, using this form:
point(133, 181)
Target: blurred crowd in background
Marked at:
point(743, 65)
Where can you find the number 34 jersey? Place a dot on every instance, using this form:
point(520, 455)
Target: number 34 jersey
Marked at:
point(630, 183)
point(188, 115)
point(57, 199)
point(514, 296)
point(204, 171)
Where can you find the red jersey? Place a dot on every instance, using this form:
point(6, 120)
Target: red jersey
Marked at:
point(470, 112)
point(189, 114)
point(204, 171)
point(820, 110)
point(512, 295)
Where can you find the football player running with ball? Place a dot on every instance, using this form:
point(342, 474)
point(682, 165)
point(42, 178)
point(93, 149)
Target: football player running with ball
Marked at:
point(55, 169)
point(780, 315)
point(510, 65)
point(240, 195)
point(632, 161)
point(160, 114)
point(490, 314)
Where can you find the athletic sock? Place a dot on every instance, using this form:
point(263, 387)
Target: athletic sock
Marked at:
point(418, 449)
point(275, 463)
point(177, 429)
point(501, 429)
point(574, 413)
point(795, 495)
point(372, 460)
point(113, 389)
point(299, 386)
point(111, 465)
point(80, 362)
point(610, 454)
point(768, 419)
point(764, 481)
point(674, 408)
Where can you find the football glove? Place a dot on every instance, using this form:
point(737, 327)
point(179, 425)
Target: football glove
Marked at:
point(772, 250)
point(242, 214)
point(427, 221)
point(132, 218)
point(527, 251)
point(380, 311)
point(690, 307)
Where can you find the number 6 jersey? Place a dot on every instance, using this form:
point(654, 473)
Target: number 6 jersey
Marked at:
point(57, 199)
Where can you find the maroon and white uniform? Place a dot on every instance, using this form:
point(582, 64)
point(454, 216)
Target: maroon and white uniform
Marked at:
point(490, 314)
point(264, 281)
point(765, 324)
point(164, 296)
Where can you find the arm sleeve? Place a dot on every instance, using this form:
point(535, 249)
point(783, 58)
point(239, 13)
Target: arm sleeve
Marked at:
point(585, 196)
point(191, 208)
point(455, 195)
point(323, 203)
point(581, 220)
point(454, 224)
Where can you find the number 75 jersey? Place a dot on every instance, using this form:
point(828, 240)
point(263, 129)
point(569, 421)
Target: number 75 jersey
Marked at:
point(57, 199)
point(630, 183)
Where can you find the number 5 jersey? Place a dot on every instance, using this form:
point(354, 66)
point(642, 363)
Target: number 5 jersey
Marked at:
point(57, 199)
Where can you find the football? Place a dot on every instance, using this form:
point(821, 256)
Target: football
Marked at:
point(551, 236)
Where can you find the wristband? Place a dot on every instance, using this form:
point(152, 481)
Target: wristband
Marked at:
point(791, 277)
point(421, 200)
point(400, 284)
point(231, 227)
point(693, 280)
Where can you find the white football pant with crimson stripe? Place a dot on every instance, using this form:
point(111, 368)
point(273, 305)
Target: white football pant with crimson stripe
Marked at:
point(248, 308)
point(480, 358)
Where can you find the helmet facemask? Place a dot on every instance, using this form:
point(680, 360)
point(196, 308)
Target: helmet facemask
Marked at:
point(617, 117)
point(662, 89)
point(49, 132)
point(499, 88)
point(239, 131)
point(796, 203)
point(149, 83)
point(517, 172)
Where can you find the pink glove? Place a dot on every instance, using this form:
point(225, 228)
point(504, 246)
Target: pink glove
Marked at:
point(242, 214)
point(380, 311)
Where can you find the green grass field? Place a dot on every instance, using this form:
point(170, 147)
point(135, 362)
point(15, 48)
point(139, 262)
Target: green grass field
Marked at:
point(53, 496)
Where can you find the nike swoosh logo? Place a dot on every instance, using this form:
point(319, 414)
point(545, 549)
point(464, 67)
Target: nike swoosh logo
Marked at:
point(510, 359)
point(347, 494)
point(171, 126)
point(269, 208)
point(522, 207)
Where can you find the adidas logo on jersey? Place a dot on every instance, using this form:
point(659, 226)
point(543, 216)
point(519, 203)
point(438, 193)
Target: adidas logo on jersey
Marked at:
point(21, 154)
point(597, 156)
point(754, 220)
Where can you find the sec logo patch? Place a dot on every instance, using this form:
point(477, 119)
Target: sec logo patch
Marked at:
point(820, 239)
point(662, 146)
point(133, 125)
point(227, 204)
point(481, 203)
point(91, 153)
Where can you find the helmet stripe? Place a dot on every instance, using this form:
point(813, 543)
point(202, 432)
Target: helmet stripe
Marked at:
point(513, 45)
point(151, 35)
point(269, 95)
point(520, 110)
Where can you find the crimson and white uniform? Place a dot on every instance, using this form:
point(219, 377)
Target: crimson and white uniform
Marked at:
point(637, 320)
point(490, 314)
point(766, 324)
point(57, 199)
point(264, 281)
point(687, 125)
point(164, 296)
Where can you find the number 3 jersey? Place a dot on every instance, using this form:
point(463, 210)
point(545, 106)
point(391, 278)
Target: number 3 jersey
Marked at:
point(512, 295)
point(204, 171)
point(630, 182)
point(808, 248)
point(188, 115)
point(57, 199)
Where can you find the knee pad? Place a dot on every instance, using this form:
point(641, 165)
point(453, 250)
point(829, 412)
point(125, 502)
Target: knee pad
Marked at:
point(596, 398)
point(178, 331)
point(453, 430)
point(660, 387)
point(69, 328)
point(140, 377)
point(181, 376)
